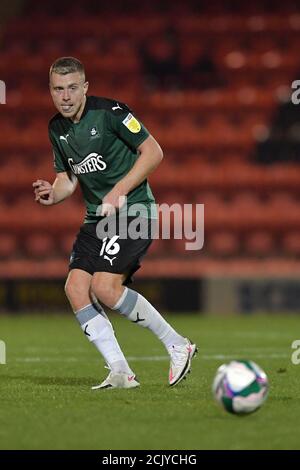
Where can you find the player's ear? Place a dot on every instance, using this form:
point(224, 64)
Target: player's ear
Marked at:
point(85, 87)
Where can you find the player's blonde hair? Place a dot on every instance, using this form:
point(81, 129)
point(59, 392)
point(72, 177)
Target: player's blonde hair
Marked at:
point(65, 65)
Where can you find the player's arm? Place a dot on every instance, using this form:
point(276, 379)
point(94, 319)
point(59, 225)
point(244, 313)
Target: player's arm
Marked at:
point(150, 156)
point(48, 194)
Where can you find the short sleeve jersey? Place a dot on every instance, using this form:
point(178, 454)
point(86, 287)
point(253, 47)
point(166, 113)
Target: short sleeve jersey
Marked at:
point(100, 150)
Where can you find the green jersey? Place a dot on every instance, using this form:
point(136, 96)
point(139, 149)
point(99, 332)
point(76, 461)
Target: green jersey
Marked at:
point(100, 150)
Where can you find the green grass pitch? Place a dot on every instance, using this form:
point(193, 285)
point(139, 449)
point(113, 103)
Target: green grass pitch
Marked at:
point(46, 401)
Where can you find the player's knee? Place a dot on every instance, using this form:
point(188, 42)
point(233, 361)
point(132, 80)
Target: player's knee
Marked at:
point(75, 291)
point(107, 292)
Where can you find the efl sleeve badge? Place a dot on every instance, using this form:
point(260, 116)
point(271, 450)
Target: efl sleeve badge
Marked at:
point(132, 124)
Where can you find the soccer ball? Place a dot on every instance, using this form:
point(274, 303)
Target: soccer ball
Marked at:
point(241, 387)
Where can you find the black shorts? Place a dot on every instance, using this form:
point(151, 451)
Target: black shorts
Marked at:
point(92, 252)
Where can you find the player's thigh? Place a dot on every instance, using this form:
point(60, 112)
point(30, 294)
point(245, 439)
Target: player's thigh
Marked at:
point(77, 288)
point(108, 287)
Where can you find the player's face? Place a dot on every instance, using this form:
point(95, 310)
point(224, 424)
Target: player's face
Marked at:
point(69, 93)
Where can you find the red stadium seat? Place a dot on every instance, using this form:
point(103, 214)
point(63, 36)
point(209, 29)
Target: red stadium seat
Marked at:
point(159, 247)
point(66, 243)
point(40, 245)
point(291, 244)
point(8, 245)
point(259, 244)
point(223, 243)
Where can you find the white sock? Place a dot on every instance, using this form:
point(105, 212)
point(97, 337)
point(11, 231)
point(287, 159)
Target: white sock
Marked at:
point(99, 331)
point(135, 307)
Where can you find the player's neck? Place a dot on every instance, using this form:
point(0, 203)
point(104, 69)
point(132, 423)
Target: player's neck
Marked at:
point(78, 115)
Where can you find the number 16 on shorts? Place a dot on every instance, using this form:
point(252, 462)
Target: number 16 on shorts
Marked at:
point(110, 247)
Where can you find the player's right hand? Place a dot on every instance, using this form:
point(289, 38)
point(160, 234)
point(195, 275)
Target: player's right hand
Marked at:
point(43, 192)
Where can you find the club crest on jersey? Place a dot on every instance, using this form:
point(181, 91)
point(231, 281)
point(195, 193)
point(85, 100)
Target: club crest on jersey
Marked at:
point(94, 133)
point(93, 162)
point(132, 124)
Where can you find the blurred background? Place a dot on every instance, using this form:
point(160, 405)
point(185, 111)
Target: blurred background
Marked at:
point(212, 82)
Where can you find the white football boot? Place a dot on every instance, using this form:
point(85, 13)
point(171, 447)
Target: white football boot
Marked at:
point(181, 358)
point(118, 380)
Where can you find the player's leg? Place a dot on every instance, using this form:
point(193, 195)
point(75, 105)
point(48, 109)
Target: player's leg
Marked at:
point(94, 323)
point(108, 287)
point(77, 289)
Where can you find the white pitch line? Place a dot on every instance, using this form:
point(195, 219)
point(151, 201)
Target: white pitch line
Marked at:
point(206, 357)
point(236, 356)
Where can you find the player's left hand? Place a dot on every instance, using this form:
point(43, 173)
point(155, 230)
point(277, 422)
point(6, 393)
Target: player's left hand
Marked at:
point(44, 193)
point(112, 201)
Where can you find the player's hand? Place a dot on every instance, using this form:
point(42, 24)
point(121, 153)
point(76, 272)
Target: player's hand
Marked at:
point(113, 201)
point(43, 192)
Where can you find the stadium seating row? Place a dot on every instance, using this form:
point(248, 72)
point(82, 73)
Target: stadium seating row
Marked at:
point(239, 217)
point(151, 24)
point(190, 175)
point(223, 243)
point(163, 267)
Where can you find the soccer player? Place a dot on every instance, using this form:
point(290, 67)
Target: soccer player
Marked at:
point(99, 143)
